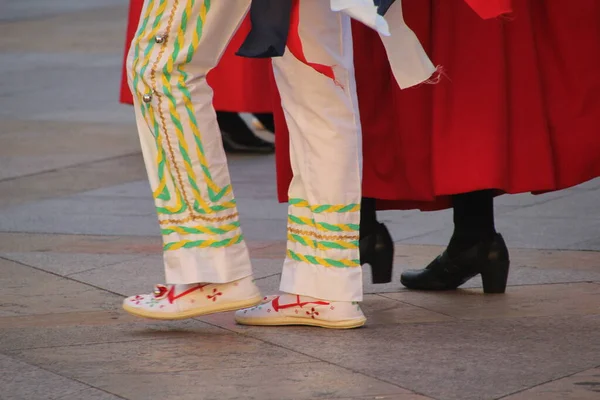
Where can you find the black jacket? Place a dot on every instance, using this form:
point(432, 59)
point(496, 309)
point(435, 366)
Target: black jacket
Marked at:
point(270, 25)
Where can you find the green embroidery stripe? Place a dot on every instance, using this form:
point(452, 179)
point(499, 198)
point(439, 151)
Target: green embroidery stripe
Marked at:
point(322, 226)
point(162, 7)
point(186, 244)
point(138, 39)
point(323, 244)
point(166, 211)
point(159, 209)
point(325, 262)
point(211, 210)
point(164, 195)
point(175, 117)
point(201, 230)
point(197, 34)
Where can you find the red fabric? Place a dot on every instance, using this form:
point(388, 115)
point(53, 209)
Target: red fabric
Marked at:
point(490, 8)
point(242, 84)
point(239, 84)
point(294, 44)
point(519, 110)
point(135, 9)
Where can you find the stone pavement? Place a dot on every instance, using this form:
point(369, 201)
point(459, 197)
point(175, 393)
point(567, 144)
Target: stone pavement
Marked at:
point(78, 232)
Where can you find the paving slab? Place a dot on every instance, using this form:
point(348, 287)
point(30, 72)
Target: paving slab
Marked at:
point(12, 10)
point(47, 331)
point(582, 386)
point(521, 301)
point(27, 291)
point(76, 30)
point(580, 205)
point(70, 180)
point(396, 396)
point(53, 216)
point(65, 264)
point(12, 242)
point(527, 199)
point(409, 227)
point(589, 185)
point(90, 394)
point(308, 381)
point(530, 232)
point(593, 244)
point(137, 190)
point(211, 350)
point(134, 276)
point(262, 229)
point(456, 360)
point(24, 146)
point(22, 381)
point(66, 93)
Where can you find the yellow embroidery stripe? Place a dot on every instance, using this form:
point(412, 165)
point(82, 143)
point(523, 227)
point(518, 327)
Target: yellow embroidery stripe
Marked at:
point(145, 61)
point(179, 205)
point(322, 226)
point(196, 35)
point(201, 229)
point(188, 244)
point(148, 35)
point(325, 208)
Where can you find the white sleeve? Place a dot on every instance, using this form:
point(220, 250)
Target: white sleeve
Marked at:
point(364, 11)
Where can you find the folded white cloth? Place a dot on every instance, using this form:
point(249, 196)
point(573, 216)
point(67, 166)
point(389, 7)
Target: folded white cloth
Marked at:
point(364, 11)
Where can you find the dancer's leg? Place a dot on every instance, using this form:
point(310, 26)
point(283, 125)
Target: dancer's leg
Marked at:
point(177, 43)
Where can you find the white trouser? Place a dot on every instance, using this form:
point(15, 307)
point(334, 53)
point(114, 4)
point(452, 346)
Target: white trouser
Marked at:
point(177, 43)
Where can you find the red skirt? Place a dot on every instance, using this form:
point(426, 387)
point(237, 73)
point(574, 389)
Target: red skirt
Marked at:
point(239, 84)
point(518, 110)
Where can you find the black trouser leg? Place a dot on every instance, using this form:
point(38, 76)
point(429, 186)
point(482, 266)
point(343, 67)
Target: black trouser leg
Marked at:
point(368, 216)
point(473, 220)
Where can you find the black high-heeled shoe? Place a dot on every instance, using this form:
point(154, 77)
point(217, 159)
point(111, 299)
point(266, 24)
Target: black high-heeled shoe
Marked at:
point(488, 258)
point(377, 250)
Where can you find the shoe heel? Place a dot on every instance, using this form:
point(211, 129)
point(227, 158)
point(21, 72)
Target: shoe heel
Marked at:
point(494, 276)
point(382, 265)
point(377, 250)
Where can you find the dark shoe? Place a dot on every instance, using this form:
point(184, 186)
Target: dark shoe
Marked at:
point(252, 144)
point(238, 137)
point(488, 258)
point(377, 250)
point(266, 120)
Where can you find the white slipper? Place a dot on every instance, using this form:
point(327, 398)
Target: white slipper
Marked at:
point(170, 302)
point(291, 309)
